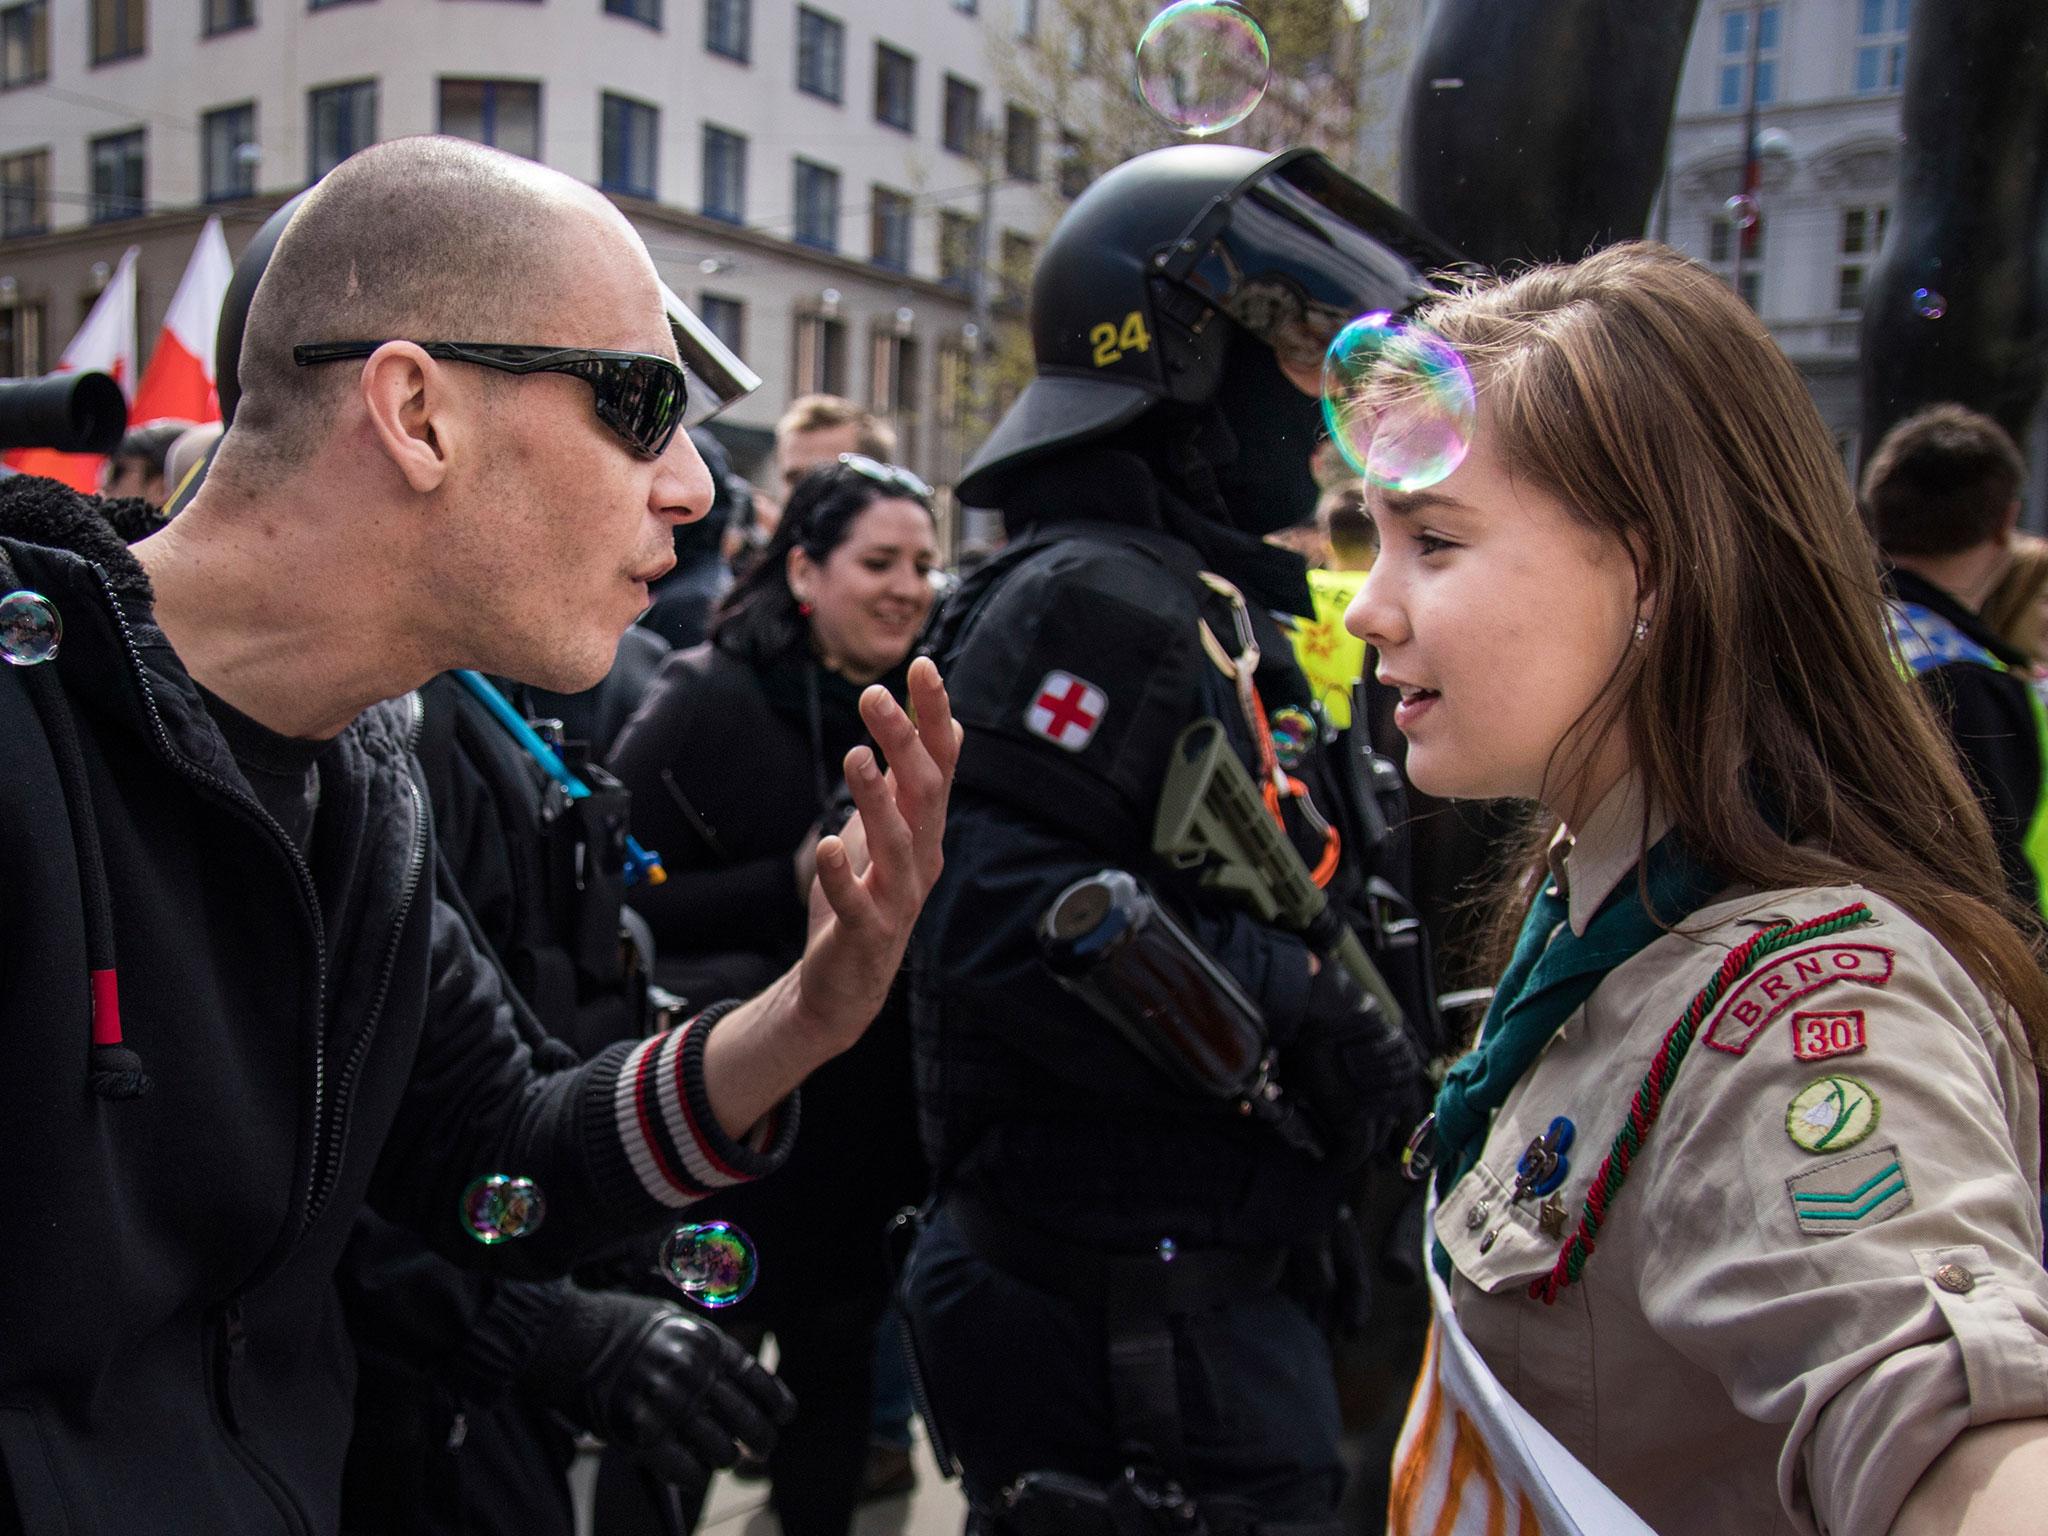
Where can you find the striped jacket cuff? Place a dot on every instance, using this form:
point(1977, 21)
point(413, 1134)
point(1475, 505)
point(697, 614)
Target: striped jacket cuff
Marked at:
point(649, 1119)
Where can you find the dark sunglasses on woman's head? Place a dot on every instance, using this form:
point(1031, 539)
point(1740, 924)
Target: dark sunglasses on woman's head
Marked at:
point(904, 482)
point(641, 397)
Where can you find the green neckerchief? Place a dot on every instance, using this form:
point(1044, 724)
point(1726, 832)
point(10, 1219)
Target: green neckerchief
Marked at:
point(1552, 972)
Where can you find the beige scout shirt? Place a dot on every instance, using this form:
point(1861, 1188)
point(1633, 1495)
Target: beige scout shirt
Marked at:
point(1767, 1338)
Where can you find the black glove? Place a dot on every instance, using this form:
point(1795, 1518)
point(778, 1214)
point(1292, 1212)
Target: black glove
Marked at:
point(1359, 1074)
point(669, 1389)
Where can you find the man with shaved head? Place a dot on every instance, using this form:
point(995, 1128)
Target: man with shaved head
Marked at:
point(236, 1008)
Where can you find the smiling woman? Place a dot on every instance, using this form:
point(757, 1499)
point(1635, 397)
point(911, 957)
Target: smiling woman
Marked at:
point(1645, 601)
point(734, 762)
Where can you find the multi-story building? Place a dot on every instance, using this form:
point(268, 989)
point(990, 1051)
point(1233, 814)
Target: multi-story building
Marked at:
point(1828, 75)
point(812, 175)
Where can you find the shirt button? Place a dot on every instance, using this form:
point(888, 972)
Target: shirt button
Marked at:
point(1476, 1217)
point(1953, 1277)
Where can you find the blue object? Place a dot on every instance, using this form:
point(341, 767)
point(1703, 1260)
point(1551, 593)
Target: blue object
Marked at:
point(641, 864)
point(1544, 1166)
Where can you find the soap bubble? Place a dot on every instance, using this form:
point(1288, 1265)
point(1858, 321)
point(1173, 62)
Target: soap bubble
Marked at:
point(1742, 212)
point(1928, 304)
point(1203, 65)
point(29, 628)
point(498, 1207)
point(710, 1262)
point(1410, 429)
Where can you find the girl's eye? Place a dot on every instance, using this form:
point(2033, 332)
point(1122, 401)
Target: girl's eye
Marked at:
point(1430, 544)
point(877, 566)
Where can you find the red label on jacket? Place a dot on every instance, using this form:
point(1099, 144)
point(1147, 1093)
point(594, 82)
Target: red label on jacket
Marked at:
point(1773, 988)
point(1817, 1036)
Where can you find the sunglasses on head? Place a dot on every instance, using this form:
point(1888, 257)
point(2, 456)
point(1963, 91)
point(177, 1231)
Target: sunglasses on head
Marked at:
point(639, 396)
point(894, 476)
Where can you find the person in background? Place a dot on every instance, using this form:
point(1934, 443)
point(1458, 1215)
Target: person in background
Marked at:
point(136, 468)
point(816, 429)
point(191, 448)
point(685, 597)
point(2017, 609)
point(1942, 494)
point(732, 764)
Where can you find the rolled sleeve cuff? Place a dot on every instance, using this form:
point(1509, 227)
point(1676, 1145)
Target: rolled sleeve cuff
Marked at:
point(649, 1125)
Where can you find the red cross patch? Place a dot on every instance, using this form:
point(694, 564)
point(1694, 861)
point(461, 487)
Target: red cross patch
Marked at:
point(1066, 710)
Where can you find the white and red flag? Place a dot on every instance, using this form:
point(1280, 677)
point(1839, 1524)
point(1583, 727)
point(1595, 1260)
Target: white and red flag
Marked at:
point(180, 380)
point(104, 344)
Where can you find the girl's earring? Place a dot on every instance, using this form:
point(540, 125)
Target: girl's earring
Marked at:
point(805, 610)
point(1642, 629)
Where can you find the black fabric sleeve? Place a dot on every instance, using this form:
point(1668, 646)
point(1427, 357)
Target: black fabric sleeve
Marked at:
point(616, 1145)
point(1992, 724)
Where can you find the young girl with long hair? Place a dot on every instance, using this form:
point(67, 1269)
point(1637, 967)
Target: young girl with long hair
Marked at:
point(1738, 1193)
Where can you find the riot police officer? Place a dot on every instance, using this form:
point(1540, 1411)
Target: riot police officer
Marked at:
point(1120, 1297)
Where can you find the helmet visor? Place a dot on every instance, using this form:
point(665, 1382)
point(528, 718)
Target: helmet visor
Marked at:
point(716, 377)
point(1300, 250)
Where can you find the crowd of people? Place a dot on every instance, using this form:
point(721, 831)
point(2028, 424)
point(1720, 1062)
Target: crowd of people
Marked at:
point(1043, 964)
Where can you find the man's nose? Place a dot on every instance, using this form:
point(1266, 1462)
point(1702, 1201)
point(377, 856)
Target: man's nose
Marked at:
point(682, 489)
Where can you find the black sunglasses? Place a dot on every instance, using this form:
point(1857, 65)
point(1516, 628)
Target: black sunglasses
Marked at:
point(641, 397)
point(904, 482)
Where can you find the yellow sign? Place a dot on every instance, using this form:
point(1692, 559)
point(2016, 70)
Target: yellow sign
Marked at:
point(1330, 656)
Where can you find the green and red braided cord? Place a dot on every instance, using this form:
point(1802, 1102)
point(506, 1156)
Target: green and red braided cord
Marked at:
point(1649, 1100)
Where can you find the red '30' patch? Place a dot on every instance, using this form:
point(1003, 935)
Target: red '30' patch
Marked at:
point(1771, 989)
point(1817, 1036)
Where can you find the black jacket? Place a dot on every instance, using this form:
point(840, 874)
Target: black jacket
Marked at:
point(1029, 1101)
point(753, 739)
point(171, 1349)
point(1991, 721)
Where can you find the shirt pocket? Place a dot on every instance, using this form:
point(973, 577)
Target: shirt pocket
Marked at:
point(2004, 1359)
point(1543, 1354)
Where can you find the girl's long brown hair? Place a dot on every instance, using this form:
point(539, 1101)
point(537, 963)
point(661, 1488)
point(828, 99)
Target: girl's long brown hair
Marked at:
point(1765, 709)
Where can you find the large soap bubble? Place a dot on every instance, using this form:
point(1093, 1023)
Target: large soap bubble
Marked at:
point(711, 1262)
point(499, 1207)
point(1203, 65)
point(29, 628)
point(1399, 402)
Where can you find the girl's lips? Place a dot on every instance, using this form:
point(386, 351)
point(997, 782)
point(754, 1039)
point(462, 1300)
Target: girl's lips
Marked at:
point(1413, 706)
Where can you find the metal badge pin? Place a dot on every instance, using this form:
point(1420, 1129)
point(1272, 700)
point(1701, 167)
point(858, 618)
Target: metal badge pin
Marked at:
point(1550, 1216)
point(1476, 1217)
point(1543, 1164)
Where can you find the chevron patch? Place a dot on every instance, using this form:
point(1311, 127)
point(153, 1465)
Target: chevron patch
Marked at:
point(1850, 1193)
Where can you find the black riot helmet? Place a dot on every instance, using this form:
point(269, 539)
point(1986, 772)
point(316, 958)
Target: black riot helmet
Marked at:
point(234, 307)
point(1160, 261)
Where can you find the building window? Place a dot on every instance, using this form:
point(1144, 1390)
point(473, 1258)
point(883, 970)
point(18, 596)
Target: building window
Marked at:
point(966, 7)
point(341, 120)
point(1881, 45)
point(1752, 288)
point(322, 5)
point(117, 176)
point(1027, 21)
point(629, 129)
point(646, 11)
point(1735, 58)
point(229, 16)
point(820, 54)
point(21, 339)
point(228, 144)
point(117, 30)
point(1080, 44)
point(889, 229)
point(892, 385)
point(1863, 231)
point(728, 25)
point(963, 115)
point(895, 88)
point(1020, 144)
point(1020, 254)
point(959, 238)
point(820, 356)
point(25, 194)
point(1721, 238)
point(817, 206)
point(502, 113)
point(25, 43)
point(725, 318)
point(1074, 170)
point(725, 175)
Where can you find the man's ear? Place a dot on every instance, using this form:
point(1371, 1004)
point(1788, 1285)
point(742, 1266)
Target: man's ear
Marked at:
point(404, 392)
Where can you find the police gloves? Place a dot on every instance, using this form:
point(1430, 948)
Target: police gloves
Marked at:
point(672, 1391)
point(1359, 1074)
